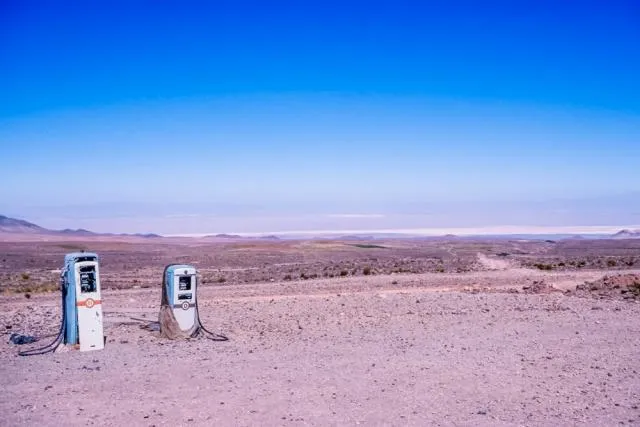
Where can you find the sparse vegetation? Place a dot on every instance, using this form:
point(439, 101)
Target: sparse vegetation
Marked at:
point(35, 288)
point(634, 288)
point(260, 261)
point(71, 247)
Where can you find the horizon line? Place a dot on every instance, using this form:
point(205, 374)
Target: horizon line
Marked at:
point(437, 231)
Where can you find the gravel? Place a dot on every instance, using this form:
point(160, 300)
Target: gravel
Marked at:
point(384, 350)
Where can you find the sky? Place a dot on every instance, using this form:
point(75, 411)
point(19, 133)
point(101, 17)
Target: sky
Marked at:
point(234, 116)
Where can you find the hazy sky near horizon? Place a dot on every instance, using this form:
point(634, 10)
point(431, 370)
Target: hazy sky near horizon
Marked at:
point(232, 116)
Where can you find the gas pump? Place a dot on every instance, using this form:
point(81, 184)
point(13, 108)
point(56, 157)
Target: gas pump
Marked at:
point(179, 316)
point(83, 306)
point(81, 324)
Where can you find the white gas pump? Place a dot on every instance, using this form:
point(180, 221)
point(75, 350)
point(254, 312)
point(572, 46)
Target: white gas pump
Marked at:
point(84, 302)
point(179, 316)
point(181, 289)
point(82, 322)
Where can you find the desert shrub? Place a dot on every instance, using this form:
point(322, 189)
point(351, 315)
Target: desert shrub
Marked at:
point(24, 276)
point(287, 277)
point(303, 276)
point(221, 279)
point(611, 263)
point(344, 273)
point(38, 288)
point(369, 246)
point(545, 267)
point(71, 247)
point(366, 271)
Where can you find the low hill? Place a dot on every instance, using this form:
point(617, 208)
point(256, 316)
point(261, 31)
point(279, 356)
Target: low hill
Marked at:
point(627, 234)
point(19, 226)
point(12, 225)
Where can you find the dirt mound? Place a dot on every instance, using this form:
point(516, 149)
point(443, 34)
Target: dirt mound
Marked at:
point(539, 287)
point(621, 286)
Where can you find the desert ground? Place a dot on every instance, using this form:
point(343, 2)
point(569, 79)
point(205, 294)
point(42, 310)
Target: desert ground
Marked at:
point(336, 332)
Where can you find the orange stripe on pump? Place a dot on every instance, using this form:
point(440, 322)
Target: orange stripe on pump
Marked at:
point(88, 303)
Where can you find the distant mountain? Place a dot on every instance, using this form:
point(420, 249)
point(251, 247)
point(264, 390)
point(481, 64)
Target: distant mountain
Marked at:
point(627, 234)
point(239, 237)
point(576, 237)
point(12, 225)
point(78, 232)
point(225, 236)
point(354, 237)
point(148, 235)
point(269, 237)
point(20, 226)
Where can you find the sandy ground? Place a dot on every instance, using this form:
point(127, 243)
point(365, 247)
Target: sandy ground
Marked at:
point(430, 349)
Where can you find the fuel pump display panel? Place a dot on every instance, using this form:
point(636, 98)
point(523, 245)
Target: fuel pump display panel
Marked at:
point(184, 283)
point(88, 279)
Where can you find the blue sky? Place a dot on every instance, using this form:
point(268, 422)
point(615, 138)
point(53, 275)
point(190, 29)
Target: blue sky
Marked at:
point(189, 117)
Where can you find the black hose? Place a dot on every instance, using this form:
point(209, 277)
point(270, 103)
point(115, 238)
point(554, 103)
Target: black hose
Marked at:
point(207, 333)
point(51, 347)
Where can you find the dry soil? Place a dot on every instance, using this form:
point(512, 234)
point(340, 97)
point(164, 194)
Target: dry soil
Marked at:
point(468, 349)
